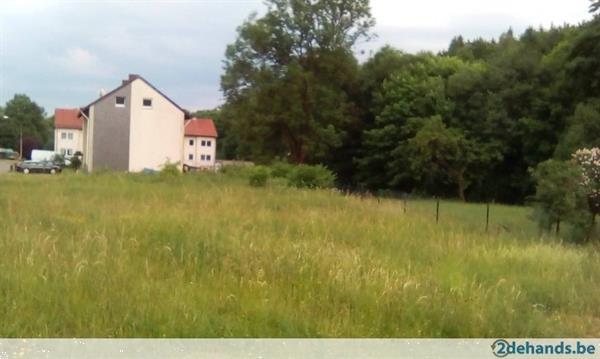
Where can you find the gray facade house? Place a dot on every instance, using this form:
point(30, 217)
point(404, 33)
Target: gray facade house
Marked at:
point(132, 128)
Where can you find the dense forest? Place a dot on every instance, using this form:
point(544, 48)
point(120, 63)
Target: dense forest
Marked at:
point(469, 122)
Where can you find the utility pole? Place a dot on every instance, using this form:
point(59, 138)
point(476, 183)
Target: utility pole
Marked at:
point(21, 141)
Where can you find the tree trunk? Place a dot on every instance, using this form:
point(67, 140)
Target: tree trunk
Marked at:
point(295, 147)
point(462, 185)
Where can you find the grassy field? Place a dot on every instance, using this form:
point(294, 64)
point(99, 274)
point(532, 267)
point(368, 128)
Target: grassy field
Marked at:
point(208, 256)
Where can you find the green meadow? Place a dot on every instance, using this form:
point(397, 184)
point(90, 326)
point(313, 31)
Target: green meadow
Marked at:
point(206, 255)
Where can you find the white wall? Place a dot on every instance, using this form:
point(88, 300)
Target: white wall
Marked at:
point(72, 142)
point(88, 139)
point(156, 132)
point(197, 151)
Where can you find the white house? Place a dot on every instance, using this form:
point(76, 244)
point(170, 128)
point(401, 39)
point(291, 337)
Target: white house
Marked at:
point(200, 143)
point(136, 127)
point(68, 131)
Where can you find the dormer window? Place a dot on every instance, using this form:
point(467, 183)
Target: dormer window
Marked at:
point(147, 103)
point(120, 101)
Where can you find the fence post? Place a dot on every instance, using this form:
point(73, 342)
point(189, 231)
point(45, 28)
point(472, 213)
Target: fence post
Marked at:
point(404, 203)
point(437, 211)
point(487, 217)
point(557, 226)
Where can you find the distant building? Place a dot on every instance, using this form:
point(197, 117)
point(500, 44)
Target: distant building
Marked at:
point(68, 131)
point(136, 127)
point(200, 143)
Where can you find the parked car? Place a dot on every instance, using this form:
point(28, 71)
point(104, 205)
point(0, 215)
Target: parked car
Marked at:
point(37, 167)
point(8, 154)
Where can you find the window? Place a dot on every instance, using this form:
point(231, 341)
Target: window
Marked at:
point(208, 157)
point(63, 135)
point(203, 143)
point(70, 135)
point(191, 142)
point(190, 156)
point(202, 157)
point(208, 143)
point(147, 102)
point(69, 152)
point(63, 151)
point(120, 101)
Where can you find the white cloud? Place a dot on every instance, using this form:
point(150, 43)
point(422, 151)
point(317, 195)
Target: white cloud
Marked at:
point(79, 61)
point(435, 14)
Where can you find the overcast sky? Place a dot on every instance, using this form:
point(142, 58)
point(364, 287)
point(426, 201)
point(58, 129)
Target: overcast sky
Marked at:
point(61, 53)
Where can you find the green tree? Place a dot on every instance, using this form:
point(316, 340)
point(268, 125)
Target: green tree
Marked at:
point(583, 129)
point(417, 90)
point(440, 154)
point(288, 77)
point(24, 114)
point(558, 191)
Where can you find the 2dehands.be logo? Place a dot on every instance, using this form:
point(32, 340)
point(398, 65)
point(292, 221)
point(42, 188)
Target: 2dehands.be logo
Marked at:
point(502, 348)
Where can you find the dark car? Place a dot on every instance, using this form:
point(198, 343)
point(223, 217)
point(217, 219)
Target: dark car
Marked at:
point(7, 154)
point(37, 167)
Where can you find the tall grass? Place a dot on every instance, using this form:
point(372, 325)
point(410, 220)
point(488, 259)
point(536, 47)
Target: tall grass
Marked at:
point(207, 255)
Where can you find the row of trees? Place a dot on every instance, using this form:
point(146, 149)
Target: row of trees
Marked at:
point(22, 115)
point(467, 122)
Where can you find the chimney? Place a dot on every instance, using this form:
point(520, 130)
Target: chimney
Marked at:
point(102, 92)
point(133, 77)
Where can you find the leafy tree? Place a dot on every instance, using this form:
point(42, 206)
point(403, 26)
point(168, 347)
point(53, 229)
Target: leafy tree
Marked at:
point(288, 77)
point(557, 192)
point(24, 114)
point(583, 130)
point(441, 154)
point(594, 6)
point(417, 90)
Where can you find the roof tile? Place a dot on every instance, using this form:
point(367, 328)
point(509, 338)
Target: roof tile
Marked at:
point(200, 127)
point(67, 118)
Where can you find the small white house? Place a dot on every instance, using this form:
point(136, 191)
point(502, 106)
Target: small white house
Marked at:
point(199, 144)
point(68, 131)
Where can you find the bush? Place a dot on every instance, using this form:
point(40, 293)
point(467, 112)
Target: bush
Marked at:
point(258, 176)
point(75, 163)
point(235, 170)
point(280, 169)
point(305, 176)
point(170, 170)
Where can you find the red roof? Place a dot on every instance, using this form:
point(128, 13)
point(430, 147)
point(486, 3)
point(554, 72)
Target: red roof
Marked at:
point(200, 127)
point(67, 118)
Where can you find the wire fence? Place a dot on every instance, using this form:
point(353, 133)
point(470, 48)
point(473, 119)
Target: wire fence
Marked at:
point(486, 216)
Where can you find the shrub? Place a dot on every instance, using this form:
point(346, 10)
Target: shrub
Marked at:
point(170, 170)
point(75, 163)
point(305, 176)
point(234, 170)
point(258, 176)
point(280, 169)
